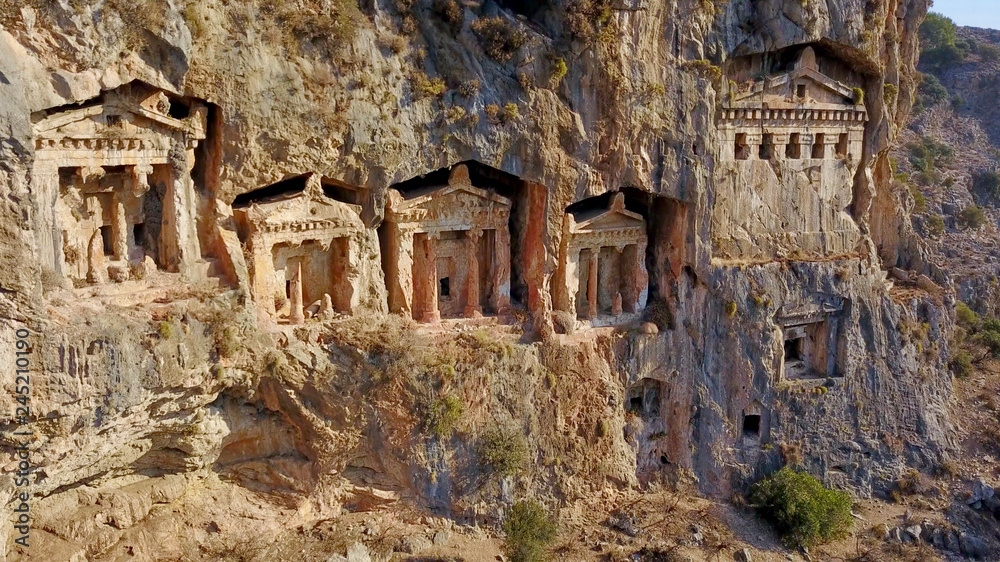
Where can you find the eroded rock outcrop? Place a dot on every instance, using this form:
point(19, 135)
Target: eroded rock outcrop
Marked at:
point(771, 326)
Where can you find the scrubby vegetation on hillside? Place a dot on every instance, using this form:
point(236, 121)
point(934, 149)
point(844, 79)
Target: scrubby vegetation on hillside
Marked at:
point(804, 511)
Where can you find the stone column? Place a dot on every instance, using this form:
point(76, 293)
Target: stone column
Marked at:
point(641, 278)
point(119, 225)
point(262, 273)
point(501, 277)
point(97, 272)
point(296, 315)
point(179, 235)
point(472, 308)
point(48, 231)
point(431, 313)
point(570, 280)
point(592, 279)
point(616, 296)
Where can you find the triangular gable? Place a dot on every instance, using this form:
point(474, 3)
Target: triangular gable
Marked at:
point(805, 72)
point(113, 105)
point(615, 217)
point(458, 192)
point(460, 195)
point(308, 206)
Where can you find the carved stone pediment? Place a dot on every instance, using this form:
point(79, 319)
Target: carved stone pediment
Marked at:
point(305, 210)
point(802, 87)
point(136, 119)
point(458, 201)
point(615, 217)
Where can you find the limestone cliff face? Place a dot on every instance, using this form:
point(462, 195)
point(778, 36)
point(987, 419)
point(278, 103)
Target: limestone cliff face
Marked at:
point(628, 102)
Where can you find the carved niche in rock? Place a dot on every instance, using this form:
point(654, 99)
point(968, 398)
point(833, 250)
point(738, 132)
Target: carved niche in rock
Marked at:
point(118, 167)
point(303, 247)
point(447, 250)
point(810, 337)
point(791, 146)
point(602, 271)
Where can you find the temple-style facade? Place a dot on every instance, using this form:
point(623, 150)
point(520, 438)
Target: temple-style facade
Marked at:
point(790, 147)
point(115, 187)
point(796, 115)
point(305, 251)
point(602, 276)
point(447, 250)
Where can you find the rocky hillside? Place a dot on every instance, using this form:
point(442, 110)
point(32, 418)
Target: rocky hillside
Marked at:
point(947, 158)
point(207, 384)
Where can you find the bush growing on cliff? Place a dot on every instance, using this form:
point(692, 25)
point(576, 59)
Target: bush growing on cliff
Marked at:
point(961, 364)
point(503, 452)
point(971, 217)
point(989, 53)
point(804, 511)
point(930, 92)
point(443, 414)
point(498, 37)
point(319, 28)
point(928, 154)
point(528, 530)
point(966, 317)
point(986, 186)
point(939, 43)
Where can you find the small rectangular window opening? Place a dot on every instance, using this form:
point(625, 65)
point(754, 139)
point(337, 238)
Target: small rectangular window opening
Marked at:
point(106, 238)
point(819, 147)
point(635, 404)
point(793, 349)
point(751, 425)
point(842, 146)
point(793, 150)
point(767, 147)
point(742, 150)
point(800, 90)
point(445, 287)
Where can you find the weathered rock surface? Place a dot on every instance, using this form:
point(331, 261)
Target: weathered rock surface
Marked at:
point(178, 384)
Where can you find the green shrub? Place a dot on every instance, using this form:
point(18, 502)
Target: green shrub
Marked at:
point(966, 317)
point(986, 185)
point(804, 511)
point(939, 44)
point(586, 19)
point(927, 154)
point(442, 416)
point(227, 340)
point(319, 27)
point(857, 96)
point(934, 226)
point(971, 217)
point(937, 30)
point(449, 11)
point(889, 93)
point(426, 87)
point(919, 201)
point(930, 92)
point(528, 531)
point(705, 68)
point(961, 363)
point(498, 37)
point(559, 70)
point(166, 329)
point(504, 452)
point(989, 336)
point(510, 112)
point(730, 309)
point(469, 88)
point(989, 53)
